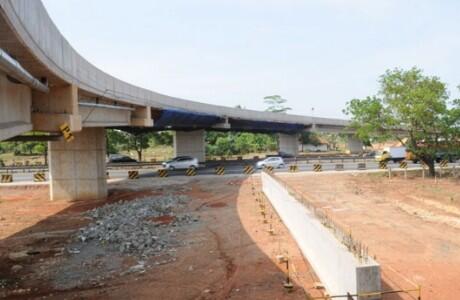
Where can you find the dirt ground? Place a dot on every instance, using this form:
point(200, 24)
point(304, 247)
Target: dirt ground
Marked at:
point(228, 254)
point(412, 226)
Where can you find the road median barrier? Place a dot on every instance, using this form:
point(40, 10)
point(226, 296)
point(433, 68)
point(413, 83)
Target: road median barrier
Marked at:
point(443, 163)
point(6, 178)
point(248, 169)
point(317, 167)
point(220, 170)
point(269, 169)
point(133, 174)
point(293, 168)
point(339, 167)
point(361, 166)
point(163, 173)
point(39, 177)
point(190, 172)
point(403, 165)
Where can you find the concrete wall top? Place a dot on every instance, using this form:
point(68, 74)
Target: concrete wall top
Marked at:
point(35, 30)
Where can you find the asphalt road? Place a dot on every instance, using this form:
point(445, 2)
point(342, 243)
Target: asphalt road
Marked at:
point(236, 168)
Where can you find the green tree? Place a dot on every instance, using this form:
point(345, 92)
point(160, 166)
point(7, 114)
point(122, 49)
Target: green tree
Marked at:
point(307, 137)
point(276, 104)
point(412, 108)
point(117, 140)
point(138, 142)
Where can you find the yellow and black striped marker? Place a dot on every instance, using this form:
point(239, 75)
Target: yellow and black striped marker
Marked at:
point(403, 165)
point(269, 169)
point(39, 177)
point(68, 135)
point(190, 172)
point(6, 178)
point(220, 170)
point(317, 167)
point(133, 174)
point(382, 165)
point(361, 166)
point(248, 169)
point(339, 167)
point(443, 163)
point(293, 168)
point(163, 173)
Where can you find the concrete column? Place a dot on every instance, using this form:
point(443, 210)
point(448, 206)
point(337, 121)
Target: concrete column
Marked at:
point(77, 168)
point(355, 146)
point(190, 143)
point(288, 143)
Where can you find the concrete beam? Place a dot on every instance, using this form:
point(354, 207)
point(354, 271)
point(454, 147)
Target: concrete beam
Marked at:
point(142, 117)
point(190, 143)
point(15, 102)
point(104, 117)
point(340, 270)
point(77, 168)
point(288, 143)
point(59, 106)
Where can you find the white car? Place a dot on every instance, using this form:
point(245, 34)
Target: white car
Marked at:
point(181, 162)
point(274, 161)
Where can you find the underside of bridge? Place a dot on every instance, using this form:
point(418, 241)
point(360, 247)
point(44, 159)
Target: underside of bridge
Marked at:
point(45, 83)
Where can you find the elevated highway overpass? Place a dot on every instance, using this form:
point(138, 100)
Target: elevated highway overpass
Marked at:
point(45, 83)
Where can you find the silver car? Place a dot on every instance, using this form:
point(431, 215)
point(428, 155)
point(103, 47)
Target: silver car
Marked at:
point(274, 161)
point(181, 162)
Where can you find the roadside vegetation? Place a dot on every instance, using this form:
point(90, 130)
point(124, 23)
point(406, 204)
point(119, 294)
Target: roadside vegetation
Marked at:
point(412, 108)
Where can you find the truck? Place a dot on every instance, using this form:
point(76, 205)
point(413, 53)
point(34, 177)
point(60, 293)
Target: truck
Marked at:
point(394, 154)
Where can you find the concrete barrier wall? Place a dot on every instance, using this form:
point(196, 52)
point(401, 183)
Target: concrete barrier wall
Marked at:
point(338, 269)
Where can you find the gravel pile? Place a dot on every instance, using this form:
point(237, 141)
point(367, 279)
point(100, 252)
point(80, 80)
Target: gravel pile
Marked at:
point(137, 227)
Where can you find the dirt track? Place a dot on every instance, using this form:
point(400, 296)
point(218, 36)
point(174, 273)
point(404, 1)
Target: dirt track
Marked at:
point(412, 226)
point(228, 254)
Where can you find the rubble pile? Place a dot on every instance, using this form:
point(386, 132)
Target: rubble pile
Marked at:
point(136, 227)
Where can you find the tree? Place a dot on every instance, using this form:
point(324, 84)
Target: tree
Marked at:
point(276, 104)
point(138, 142)
point(308, 137)
point(412, 108)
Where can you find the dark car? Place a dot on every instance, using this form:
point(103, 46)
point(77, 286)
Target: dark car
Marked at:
point(285, 155)
point(119, 158)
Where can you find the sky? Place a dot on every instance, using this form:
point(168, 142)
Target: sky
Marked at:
point(317, 54)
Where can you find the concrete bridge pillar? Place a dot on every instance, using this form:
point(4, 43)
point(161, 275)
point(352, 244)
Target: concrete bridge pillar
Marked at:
point(190, 143)
point(288, 143)
point(77, 168)
point(355, 145)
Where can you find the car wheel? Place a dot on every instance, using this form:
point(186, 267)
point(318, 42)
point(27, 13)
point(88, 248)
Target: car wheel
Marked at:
point(280, 166)
point(171, 168)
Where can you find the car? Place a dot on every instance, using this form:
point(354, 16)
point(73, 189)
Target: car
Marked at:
point(181, 162)
point(273, 161)
point(120, 158)
point(285, 154)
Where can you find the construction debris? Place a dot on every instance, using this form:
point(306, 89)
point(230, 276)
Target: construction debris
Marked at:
point(141, 227)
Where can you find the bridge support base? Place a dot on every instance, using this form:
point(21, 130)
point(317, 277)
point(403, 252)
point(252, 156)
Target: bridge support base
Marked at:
point(77, 168)
point(190, 143)
point(288, 143)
